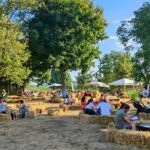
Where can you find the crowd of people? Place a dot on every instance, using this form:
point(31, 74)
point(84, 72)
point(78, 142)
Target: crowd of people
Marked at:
point(104, 108)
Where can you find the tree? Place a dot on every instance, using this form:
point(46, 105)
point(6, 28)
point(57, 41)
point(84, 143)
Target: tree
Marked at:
point(138, 31)
point(124, 66)
point(41, 77)
point(56, 78)
point(63, 33)
point(113, 66)
point(84, 78)
point(13, 55)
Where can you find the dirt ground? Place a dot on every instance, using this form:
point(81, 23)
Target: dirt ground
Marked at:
point(55, 133)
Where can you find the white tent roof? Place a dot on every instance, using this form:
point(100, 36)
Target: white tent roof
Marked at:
point(55, 85)
point(123, 81)
point(98, 84)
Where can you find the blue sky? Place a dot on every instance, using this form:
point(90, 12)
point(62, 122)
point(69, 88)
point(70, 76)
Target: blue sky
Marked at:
point(114, 12)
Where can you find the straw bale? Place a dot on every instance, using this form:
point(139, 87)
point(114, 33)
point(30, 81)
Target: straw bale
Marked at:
point(96, 119)
point(30, 115)
point(5, 117)
point(75, 107)
point(84, 117)
point(57, 100)
point(129, 137)
point(91, 119)
point(54, 111)
point(145, 116)
point(105, 120)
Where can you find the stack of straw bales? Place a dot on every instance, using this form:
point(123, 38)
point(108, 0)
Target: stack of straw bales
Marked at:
point(54, 111)
point(129, 137)
point(145, 116)
point(5, 117)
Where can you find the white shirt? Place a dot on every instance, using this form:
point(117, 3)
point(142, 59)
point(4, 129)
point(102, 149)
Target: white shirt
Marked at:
point(89, 106)
point(105, 108)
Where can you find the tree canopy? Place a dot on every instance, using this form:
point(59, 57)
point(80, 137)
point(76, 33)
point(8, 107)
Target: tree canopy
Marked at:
point(62, 34)
point(138, 31)
point(83, 78)
point(13, 55)
point(56, 78)
point(113, 66)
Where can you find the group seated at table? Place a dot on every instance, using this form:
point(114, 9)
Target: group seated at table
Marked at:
point(5, 109)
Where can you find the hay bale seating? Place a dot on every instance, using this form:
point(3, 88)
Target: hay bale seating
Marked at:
point(57, 100)
point(75, 107)
point(54, 111)
point(96, 119)
point(5, 117)
point(145, 116)
point(129, 137)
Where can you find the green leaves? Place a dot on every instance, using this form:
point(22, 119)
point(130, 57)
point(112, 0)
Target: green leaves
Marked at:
point(66, 31)
point(138, 30)
point(114, 66)
point(84, 78)
point(13, 56)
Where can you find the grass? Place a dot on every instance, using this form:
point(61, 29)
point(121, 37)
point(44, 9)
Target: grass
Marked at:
point(37, 88)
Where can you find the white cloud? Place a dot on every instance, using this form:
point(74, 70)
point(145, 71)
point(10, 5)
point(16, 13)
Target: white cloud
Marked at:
point(116, 22)
point(113, 37)
point(119, 45)
point(129, 18)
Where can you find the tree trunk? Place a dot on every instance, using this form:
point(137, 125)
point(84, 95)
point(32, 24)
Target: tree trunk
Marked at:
point(63, 82)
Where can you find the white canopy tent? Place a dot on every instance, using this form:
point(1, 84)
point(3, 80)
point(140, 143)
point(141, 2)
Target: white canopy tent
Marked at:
point(55, 85)
point(97, 84)
point(124, 82)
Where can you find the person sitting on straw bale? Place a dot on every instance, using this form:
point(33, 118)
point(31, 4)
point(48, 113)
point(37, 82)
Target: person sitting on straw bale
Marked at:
point(22, 109)
point(101, 98)
point(90, 108)
point(5, 109)
point(122, 120)
point(138, 104)
point(83, 103)
point(104, 108)
point(69, 100)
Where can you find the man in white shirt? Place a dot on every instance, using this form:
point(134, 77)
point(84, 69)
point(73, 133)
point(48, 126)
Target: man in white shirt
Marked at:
point(104, 108)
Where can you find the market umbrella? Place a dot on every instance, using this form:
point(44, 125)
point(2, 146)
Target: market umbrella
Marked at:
point(55, 85)
point(97, 84)
point(124, 82)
